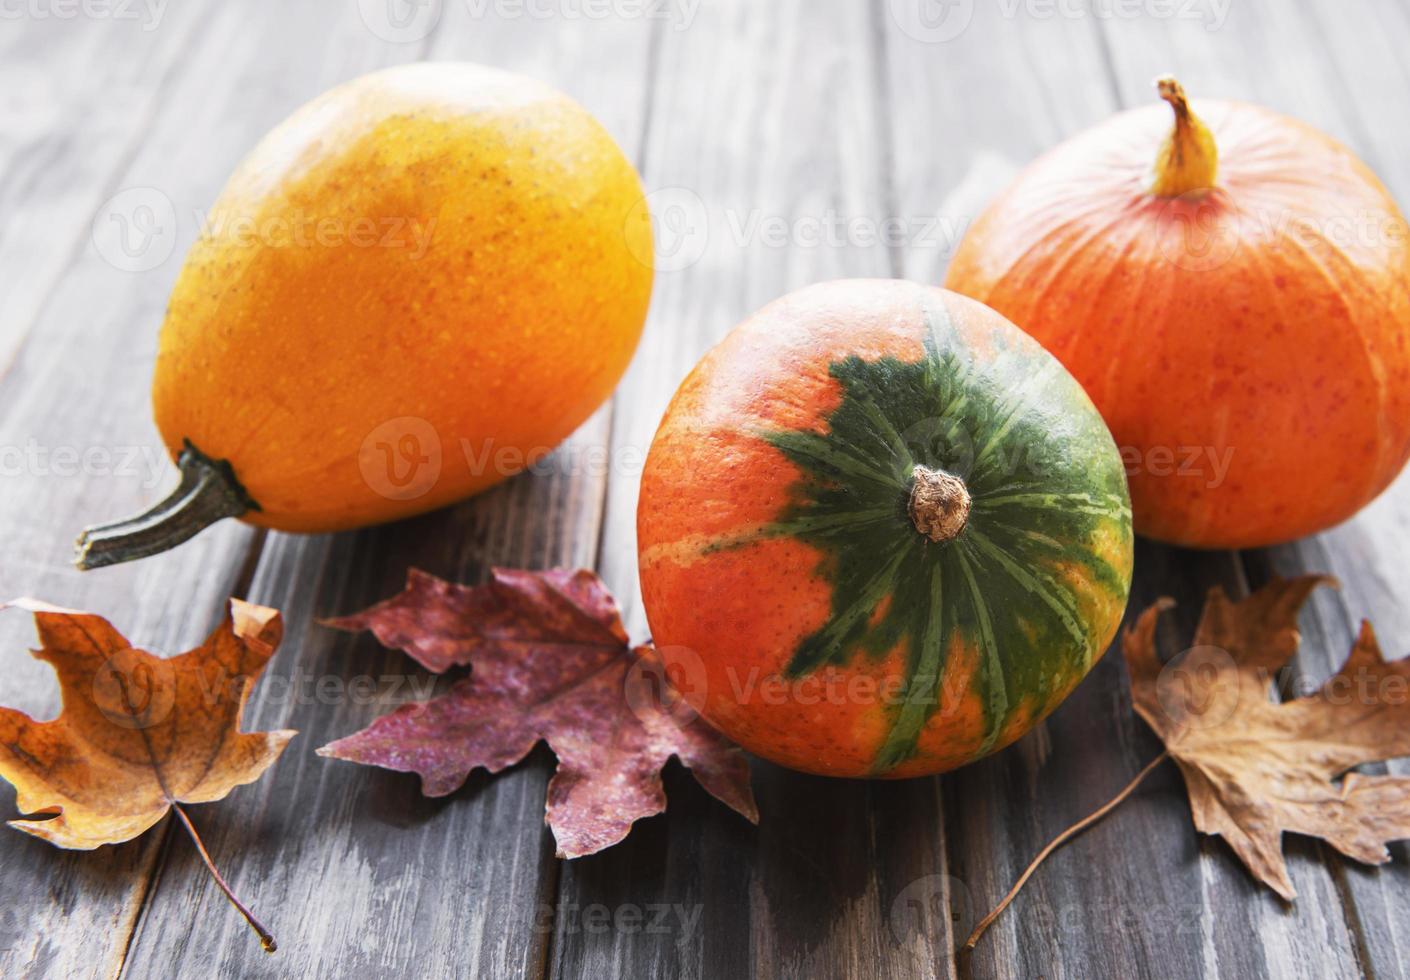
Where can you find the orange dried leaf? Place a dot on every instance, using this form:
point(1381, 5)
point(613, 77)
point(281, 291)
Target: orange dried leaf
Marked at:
point(1255, 768)
point(138, 733)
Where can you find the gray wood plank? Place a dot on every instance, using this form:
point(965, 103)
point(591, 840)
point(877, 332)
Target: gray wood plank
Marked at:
point(1377, 898)
point(75, 98)
point(966, 110)
point(75, 431)
point(764, 116)
point(1348, 52)
point(357, 873)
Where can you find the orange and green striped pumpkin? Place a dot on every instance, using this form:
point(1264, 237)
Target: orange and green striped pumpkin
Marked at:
point(882, 532)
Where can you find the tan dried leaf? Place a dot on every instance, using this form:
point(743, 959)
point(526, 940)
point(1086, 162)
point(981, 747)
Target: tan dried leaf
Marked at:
point(1255, 767)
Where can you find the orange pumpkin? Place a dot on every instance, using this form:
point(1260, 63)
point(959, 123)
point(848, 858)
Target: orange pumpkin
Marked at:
point(1235, 301)
point(881, 532)
point(409, 290)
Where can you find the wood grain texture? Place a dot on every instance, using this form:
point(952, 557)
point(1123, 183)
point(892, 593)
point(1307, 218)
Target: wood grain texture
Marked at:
point(77, 98)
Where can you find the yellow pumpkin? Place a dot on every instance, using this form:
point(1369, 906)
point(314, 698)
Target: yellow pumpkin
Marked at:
point(411, 288)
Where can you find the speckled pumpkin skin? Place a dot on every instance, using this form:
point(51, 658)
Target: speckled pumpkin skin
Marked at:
point(1249, 345)
point(435, 252)
point(791, 596)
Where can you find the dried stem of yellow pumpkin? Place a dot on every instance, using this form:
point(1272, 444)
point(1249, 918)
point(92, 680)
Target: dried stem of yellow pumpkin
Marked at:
point(1053, 845)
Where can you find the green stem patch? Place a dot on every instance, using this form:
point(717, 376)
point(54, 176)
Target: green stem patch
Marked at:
point(1045, 514)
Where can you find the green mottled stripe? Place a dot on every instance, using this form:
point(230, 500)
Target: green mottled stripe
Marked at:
point(923, 682)
point(992, 686)
point(1047, 485)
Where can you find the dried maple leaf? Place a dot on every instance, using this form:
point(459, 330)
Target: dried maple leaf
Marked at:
point(551, 661)
point(138, 733)
point(1255, 768)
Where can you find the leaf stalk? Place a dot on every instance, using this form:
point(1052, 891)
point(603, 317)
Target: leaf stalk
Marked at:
point(968, 949)
point(266, 940)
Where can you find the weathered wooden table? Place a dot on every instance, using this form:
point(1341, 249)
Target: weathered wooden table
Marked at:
point(777, 138)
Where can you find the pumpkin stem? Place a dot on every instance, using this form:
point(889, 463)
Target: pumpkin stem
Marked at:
point(939, 504)
point(1188, 159)
point(208, 492)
